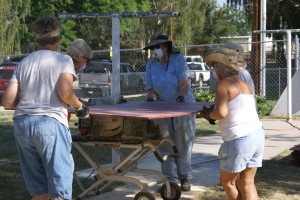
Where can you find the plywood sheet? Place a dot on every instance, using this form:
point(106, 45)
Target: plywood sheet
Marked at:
point(148, 110)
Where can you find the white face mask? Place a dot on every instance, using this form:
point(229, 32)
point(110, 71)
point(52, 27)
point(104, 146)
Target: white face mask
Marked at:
point(214, 73)
point(158, 53)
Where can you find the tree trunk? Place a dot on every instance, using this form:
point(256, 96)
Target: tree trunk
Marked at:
point(255, 64)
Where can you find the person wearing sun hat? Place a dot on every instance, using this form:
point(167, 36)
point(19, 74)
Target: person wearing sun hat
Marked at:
point(244, 74)
point(243, 135)
point(167, 80)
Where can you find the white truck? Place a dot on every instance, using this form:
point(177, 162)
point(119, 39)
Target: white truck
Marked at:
point(199, 72)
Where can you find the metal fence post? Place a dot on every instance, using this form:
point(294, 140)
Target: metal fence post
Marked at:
point(115, 56)
point(296, 52)
point(289, 72)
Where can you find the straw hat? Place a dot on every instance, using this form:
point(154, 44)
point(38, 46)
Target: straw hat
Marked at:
point(79, 48)
point(229, 57)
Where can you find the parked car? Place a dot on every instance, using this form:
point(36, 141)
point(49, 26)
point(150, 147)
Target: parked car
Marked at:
point(96, 78)
point(6, 72)
point(199, 72)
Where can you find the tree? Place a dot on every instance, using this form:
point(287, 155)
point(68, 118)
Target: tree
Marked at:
point(222, 22)
point(52, 8)
point(283, 14)
point(200, 22)
point(97, 32)
point(12, 25)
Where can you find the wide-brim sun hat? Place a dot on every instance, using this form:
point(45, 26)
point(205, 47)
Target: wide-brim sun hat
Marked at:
point(157, 38)
point(228, 57)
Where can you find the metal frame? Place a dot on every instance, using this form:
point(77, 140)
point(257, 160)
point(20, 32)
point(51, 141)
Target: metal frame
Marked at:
point(106, 175)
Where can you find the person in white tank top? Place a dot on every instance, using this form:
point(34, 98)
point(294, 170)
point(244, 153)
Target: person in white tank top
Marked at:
point(241, 130)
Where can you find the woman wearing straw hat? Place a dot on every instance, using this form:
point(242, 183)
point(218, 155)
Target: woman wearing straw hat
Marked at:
point(167, 80)
point(242, 132)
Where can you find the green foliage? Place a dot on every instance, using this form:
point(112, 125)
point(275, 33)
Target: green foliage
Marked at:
point(283, 15)
point(217, 23)
point(204, 96)
point(264, 108)
point(206, 22)
point(12, 17)
point(237, 18)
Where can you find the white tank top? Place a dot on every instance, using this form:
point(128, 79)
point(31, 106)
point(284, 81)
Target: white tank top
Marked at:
point(241, 119)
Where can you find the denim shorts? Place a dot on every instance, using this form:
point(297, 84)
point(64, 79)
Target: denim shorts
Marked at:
point(244, 152)
point(44, 148)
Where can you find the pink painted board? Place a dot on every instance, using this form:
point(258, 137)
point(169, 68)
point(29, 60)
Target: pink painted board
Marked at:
point(148, 110)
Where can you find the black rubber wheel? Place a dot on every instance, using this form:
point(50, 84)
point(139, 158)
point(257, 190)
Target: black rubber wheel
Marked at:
point(144, 196)
point(175, 191)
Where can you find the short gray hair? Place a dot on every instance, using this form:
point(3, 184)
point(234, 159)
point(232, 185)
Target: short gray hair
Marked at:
point(79, 48)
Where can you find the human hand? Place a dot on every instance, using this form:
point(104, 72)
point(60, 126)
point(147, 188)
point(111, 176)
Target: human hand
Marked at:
point(82, 112)
point(205, 114)
point(180, 99)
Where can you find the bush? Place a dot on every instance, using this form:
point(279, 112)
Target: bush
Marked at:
point(264, 108)
point(204, 96)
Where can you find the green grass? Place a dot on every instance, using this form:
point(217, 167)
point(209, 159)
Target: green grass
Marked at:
point(203, 128)
point(11, 182)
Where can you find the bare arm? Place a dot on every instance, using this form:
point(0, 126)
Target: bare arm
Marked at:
point(183, 87)
point(10, 97)
point(66, 90)
point(221, 102)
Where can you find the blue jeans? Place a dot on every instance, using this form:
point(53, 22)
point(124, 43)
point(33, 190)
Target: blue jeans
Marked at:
point(44, 148)
point(182, 131)
point(244, 152)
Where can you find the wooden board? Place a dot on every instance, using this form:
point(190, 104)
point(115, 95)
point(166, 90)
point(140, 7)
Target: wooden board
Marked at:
point(148, 110)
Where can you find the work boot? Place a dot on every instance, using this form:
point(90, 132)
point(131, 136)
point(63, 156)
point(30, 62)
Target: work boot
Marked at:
point(185, 185)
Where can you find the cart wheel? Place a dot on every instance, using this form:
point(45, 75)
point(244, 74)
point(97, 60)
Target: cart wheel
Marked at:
point(175, 191)
point(144, 196)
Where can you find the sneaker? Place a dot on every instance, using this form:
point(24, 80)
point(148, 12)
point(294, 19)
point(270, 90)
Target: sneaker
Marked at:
point(185, 185)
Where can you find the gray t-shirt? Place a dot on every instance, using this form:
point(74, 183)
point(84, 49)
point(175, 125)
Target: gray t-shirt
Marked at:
point(245, 76)
point(38, 76)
